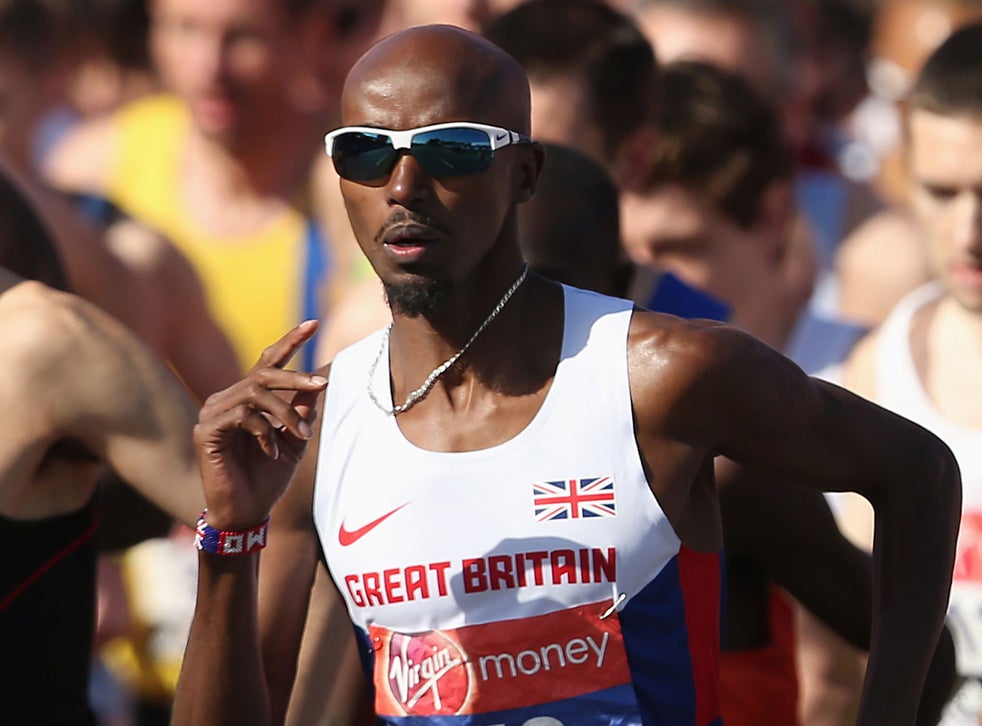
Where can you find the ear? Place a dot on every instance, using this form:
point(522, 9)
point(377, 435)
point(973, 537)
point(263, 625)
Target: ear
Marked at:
point(789, 243)
point(527, 171)
point(775, 218)
point(632, 161)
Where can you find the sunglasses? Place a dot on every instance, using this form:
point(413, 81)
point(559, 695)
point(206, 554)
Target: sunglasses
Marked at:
point(366, 154)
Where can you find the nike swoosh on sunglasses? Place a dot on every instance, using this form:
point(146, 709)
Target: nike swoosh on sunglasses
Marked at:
point(366, 154)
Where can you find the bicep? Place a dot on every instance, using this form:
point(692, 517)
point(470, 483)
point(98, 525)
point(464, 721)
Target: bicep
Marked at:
point(776, 418)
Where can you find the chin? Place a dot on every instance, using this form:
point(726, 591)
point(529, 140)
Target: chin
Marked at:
point(417, 297)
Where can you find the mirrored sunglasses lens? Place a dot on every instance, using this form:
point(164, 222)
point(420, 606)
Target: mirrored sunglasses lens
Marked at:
point(453, 152)
point(363, 157)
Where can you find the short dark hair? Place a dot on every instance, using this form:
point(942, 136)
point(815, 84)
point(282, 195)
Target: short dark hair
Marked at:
point(570, 229)
point(300, 8)
point(30, 31)
point(950, 81)
point(719, 137)
point(589, 39)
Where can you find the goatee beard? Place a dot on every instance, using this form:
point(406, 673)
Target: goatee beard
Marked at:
point(419, 297)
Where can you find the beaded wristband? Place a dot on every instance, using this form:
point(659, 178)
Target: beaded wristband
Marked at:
point(217, 542)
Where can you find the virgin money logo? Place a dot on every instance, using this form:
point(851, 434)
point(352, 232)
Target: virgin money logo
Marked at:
point(427, 675)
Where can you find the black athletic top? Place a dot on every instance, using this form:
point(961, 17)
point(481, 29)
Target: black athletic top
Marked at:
point(47, 615)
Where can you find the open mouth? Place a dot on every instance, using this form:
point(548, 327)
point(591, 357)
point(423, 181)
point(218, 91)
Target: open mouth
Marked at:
point(408, 247)
point(408, 239)
point(968, 273)
point(409, 242)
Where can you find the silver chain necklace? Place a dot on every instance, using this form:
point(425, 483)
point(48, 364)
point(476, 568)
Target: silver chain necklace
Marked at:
point(413, 398)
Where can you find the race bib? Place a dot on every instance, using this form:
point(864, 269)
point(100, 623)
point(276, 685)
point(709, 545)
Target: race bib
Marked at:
point(561, 668)
point(965, 606)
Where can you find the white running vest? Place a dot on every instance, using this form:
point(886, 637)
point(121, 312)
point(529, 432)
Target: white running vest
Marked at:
point(536, 579)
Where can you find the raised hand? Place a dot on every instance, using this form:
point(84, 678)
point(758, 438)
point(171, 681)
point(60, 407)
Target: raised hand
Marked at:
point(251, 436)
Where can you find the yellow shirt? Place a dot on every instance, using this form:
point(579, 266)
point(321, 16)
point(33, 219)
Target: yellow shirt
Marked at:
point(257, 285)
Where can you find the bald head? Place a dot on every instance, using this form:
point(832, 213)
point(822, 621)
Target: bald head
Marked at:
point(442, 70)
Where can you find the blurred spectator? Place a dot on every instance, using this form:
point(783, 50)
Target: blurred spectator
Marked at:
point(81, 394)
point(469, 14)
point(223, 166)
point(105, 62)
point(121, 266)
point(904, 33)
point(570, 229)
point(593, 78)
point(222, 171)
point(776, 45)
point(924, 362)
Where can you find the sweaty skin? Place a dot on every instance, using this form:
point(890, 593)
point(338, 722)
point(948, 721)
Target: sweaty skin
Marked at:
point(698, 390)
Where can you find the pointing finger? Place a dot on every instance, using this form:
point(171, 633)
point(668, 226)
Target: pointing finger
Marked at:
point(279, 353)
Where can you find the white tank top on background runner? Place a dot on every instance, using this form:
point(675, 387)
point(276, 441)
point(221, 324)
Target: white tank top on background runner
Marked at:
point(534, 582)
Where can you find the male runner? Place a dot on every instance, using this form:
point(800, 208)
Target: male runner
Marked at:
point(506, 551)
point(923, 362)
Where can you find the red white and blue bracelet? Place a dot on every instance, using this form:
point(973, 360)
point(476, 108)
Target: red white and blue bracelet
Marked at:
point(217, 542)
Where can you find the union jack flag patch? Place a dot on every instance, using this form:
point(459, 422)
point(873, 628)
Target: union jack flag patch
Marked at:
point(574, 498)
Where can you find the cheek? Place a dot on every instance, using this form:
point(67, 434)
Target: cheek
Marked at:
point(937, 222)
point(360, 208)
point(178, 60)
point(634, 233)
point(477, 203)
point(708, 271)
point(695, 271)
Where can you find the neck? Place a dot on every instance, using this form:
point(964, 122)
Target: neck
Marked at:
point(466, 303)
point(958, 328)
point(492, 356)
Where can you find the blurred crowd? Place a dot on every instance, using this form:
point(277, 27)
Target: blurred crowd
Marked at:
point(750, 153)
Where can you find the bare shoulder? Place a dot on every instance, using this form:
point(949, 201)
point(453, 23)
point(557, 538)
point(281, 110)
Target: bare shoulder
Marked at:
point(140, 247)
point(868, 288)
point(153, 259)
point(694, 379)
point(81, 160)
point(39, 326)
point(666, 350)
point(69, 345)
point(657, 338)
point(57, 343)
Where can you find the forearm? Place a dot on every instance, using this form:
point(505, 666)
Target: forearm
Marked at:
point(940, 684)
point(914, 542)
point(222, 679)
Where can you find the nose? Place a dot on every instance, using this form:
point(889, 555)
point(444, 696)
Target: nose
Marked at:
point(205, 51)
point(408, 183)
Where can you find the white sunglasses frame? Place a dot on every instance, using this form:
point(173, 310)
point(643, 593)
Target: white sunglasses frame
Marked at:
point(498, 136)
